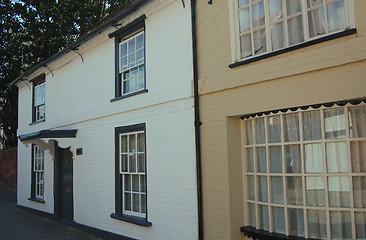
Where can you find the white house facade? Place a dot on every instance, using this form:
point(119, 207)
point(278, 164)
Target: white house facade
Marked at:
point(106, 128)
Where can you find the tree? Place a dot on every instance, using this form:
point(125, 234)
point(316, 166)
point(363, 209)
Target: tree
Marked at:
point(32, 31)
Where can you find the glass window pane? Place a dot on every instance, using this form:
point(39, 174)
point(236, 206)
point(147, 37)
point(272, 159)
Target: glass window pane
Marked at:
point(360, 225)
point(140, 41)
point(339, 192)
point(263, 218)
point(244, 19)
point(132, 143)
point(312, 125)
point(335, 123)
point(262, 189)
point(337, 160)
point(249, 160)
point(277, 36)
point(132, 60)
point(131, 45)
point(245, 46)
point(123, 49)
point(336, 13)
point(136, 202)
point(340, 225)
point(279, 220)
point(295, 30)
point(127, 201)
point(277, 190)
point(143, 184)
point(260, 130)
point(251, 188)
point(357, 123)
point(294, 191)
point(293, 158)
point(140, 56)
point(260, 42)
point(126, 86)
point(275, 155)
point(293, 6)
point(124, 65)
point(124, 144)
point(141, 162)
point(143, 203)
point(316, 22)
point(141, 142)
point(291, 127)
point(127, 183)
point(276, 11)
point(317, 224)
point(274, 129)
point(242, 3)
point(249, 132)
point(132, 163)
point(314, 158)
point(296, 222)
point(135, 183)
point(251, 215)
point(258, 14)
point(261, 160)
point(315, 191)
point(359, 191)
point(124, 162)
point(312, 3)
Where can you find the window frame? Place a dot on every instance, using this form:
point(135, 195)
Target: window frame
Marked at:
point(238, 60)
point(38, 82)
point(138, 218)
point(250, 230)
point(37, 193)
point(127, 32)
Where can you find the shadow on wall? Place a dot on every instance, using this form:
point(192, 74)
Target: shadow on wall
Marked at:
point(8, 168)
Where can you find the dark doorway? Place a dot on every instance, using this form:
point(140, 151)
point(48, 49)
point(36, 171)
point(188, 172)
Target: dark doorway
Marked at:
point(65, 199)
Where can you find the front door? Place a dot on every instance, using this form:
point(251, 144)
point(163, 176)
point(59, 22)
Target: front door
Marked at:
point(66, 199)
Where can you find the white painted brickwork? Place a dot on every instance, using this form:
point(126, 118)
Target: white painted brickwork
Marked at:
point(78, 96)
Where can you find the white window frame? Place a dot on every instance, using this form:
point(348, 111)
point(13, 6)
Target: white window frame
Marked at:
point(38, 171)
point(235, 29)
point(40, 101)
point(131, 172)
point(270, 203)
point(136, 72)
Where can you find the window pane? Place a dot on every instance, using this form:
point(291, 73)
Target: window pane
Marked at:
point(249, 160)
point(337, 160)
point(132, 163)
point(131, 60)
point(244, 20)
point(291, 127)
point(124, 144)
point(314, 158)
point(140, 41)
point(132, 143)
point(360, 225)
point(141, 162)
point(276, 11)
point(258, 14)
point(315, 191)
point(143, 203)
point(263, 219)
point(251, 188)
point(141, 142)
point(249, 132)
point(260, 42)
point(357, 116)
point(295, 30)
point(127, 183)
point(279, 220)
point(140, 56)
point(251, 214)
point(277, 189)
point(335, 123)
point(242, 3)
point(246, 46)
point(316, 22)
point(293, 158)
point(277, 36)
point(124, 162)
point(143, 184)
point(312, 125)
point(339, 190)
point(131, 45)
point(136, 202)
point(260, 130)
point(317, 224)
point(127, 200)
point(312, 3)
point(336, 13)
point(126, 86)
point(275, 154)
point(274, 129)
point(261, 160)
point(296, 222)
point(262, 189)
point(124, 65)
point(135, 183)
point(359, 191)
point(293, 6)
point(294, 191)
point(123, 49)
point(340, 225)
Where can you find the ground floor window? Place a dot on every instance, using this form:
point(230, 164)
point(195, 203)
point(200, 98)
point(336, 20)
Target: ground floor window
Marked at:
point(37, 173)
point(304, 171)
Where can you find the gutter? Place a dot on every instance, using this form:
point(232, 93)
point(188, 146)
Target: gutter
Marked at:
point(99, 29)
point(197, 122)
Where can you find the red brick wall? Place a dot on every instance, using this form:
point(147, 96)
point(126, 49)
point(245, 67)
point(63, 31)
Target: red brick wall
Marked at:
point(8, 168)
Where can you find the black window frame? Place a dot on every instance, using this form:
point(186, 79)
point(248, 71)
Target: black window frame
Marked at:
point(118, 214)
point(35, 82)
point(135, 27)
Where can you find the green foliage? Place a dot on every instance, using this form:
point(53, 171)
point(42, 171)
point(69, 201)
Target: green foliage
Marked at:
point(32, 31)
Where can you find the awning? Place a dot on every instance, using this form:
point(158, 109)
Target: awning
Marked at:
point(54, 134)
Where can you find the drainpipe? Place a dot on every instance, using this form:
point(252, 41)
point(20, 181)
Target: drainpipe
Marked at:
point(197, 122)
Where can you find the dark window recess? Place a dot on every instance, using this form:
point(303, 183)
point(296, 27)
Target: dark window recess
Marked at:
point(257, 234)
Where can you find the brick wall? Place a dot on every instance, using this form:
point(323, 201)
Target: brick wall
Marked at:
point(8, 168)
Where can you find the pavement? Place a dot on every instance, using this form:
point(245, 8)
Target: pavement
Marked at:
point(18, 224)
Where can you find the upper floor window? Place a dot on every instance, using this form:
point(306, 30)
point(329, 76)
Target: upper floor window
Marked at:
point(269, 25)
point(39, 101)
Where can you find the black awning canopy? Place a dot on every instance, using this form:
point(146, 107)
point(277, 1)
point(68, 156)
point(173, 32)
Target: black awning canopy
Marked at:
point(54, 134)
